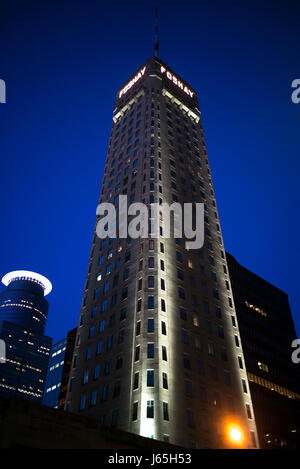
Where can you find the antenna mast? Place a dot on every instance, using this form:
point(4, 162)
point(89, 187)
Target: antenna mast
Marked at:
point(156, 33)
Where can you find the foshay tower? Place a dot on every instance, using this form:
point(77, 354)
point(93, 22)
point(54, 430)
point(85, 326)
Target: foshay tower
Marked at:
point(158, 351)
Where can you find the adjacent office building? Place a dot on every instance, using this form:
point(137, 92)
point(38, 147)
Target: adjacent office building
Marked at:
point(23, 315)
point(54, 374)
point(158, 350)
point(267, 331)
point(59, 370)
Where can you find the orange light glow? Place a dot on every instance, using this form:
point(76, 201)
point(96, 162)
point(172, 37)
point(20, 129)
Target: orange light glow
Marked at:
point(235, 434)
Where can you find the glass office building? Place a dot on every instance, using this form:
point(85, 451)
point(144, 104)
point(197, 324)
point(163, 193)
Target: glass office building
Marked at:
point(23, 315)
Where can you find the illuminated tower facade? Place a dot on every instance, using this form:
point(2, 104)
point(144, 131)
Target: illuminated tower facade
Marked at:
point(158, 351)
point(23, 316)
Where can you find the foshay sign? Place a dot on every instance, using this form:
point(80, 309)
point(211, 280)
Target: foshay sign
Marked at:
point(177, 82)
point(132, 82)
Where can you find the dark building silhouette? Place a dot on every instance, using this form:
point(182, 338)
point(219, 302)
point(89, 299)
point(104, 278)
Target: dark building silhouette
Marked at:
point(155, 352)
point(70, 344)
point(23, 315)
point(25, 424)
point(267, 331)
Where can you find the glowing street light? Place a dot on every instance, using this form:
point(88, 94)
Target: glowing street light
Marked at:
point(235, 434)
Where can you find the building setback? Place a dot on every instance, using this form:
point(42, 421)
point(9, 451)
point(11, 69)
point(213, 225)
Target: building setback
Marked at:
point(267, 331)
point(156, 352)
point(23, 315)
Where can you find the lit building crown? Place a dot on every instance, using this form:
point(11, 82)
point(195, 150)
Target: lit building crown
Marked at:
point(29, 276)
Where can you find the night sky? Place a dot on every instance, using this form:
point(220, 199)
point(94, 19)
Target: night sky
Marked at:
point(63, 62)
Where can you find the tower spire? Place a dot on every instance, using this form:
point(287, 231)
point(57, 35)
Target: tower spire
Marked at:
point(156, 33)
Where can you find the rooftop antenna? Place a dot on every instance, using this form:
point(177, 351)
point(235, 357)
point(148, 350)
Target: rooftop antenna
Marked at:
point(156, 33)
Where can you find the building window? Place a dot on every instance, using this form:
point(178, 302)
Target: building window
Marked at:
point(211, 349)
point(150, 409)
point(150, 350)
point(165, 411)
point(82, 402)
point(151, 281)
point(96, 371)
point(136, 380)
point(135, 411)
point(150, 302)
point(165, 380)
point(183, 314)
point(150, 378)
point(184, 336)
point(107, 368)
point(151, 325)
point(94, 398)
point(240, 362)
point(117, 389)
point(216, 399)
point(85, 376)
point(186, 361)
point(99, 347)
point(89, 353)
point(164, 353)
point(104, 393)
point(119, 362)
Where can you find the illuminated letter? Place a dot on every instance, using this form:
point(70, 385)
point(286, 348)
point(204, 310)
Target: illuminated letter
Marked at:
point(162, 69)
point(169, 75)
point(175, 80)
point(143, 70)
point(180, 84)
point(191, 93)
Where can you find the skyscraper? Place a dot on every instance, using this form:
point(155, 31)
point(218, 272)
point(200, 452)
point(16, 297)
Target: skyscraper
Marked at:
point(267, 332)
point(158, 351)
point(23, 315)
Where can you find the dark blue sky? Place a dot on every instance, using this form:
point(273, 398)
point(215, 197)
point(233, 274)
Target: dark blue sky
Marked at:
point(63, 62)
